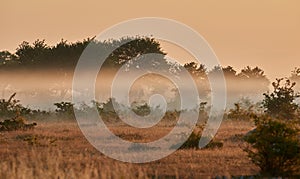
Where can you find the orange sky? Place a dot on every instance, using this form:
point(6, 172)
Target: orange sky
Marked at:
point(250, 32)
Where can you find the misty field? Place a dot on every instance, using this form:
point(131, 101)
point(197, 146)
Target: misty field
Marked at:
point(59, 150)
point(42, 93)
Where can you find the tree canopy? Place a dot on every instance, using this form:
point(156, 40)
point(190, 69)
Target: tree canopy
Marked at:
point(65, 55)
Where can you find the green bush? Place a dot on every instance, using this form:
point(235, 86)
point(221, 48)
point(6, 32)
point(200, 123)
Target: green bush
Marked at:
point(15, 113)
point(281, 102)
point(274, 146)
point(8, 108)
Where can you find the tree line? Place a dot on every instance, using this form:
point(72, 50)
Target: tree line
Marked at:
point(64, 56)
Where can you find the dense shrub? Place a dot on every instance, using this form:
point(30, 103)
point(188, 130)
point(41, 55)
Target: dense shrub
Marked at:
point(107, 110)
point(65, 110)
point(11, 108)
point(141, 109)
point(16, 123)
point(203, 114)
point(239, 113)
point(244, 109)
point(281, 102)
point(8, 108)
point(14, 114)
point(274, 146)
point(193, 142)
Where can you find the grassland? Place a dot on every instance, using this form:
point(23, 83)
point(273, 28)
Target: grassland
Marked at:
point(59, 150)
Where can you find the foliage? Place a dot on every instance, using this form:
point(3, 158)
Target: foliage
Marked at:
point(280, 103)
point(128, 48)
point(8, 108)
point(65, 110)
point(295, 77)
point(171, 115)
point(16, 123)
point(141, 109)
point(274, 146)
point(193, 142)
point(199, 74)
point(251, 81)
point(295, 74)
point(107, 111)
point(203, 114)
point(244, 109)
point(64, 55)
point(249, 76)
point(239, 113)
point(6, 57)
point(195, 69)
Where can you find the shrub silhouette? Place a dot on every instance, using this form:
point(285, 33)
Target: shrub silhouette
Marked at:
point(16, 123)
point(15, 112)
point(280, 103)
point(193, 142)
point(65, 110)
point(240, 113)
point(107, 110)
point(274, 146)
point(141, 109)
point(8, 108)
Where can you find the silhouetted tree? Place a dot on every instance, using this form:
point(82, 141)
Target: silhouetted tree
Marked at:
point(32, 55)
point(229, 72)
point(295, 73)
point(231, 80)
point(280, 103)
point(295, 77)
point(7, 59)
point(196, 69)
point(253, 81)
point(199, 74)
point(130, 49)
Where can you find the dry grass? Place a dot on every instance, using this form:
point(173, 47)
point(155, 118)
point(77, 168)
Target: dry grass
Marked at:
point(59, 150)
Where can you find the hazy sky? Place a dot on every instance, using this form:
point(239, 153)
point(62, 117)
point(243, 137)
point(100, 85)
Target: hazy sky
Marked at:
point(264, 33)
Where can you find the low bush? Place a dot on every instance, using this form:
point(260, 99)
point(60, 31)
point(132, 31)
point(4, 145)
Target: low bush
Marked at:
point(274, 146)
point(243, 110)
point(193, 142)
point(65, 110)
point(16, 123)
point(10, 107)
point(281, 102)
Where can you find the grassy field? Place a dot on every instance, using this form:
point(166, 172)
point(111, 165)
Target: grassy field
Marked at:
point(59, 150)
